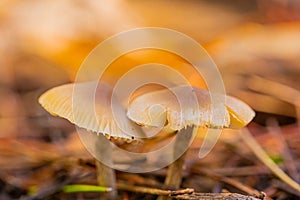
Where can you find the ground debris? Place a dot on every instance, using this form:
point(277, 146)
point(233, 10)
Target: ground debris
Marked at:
point(214, 196)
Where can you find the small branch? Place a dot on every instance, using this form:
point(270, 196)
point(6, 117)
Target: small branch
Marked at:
point(229, 181)
point(212, 196)
point(154, 191)
point(187, 193)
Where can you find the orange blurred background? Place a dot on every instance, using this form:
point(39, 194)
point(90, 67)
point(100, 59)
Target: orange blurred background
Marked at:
point(255, 44)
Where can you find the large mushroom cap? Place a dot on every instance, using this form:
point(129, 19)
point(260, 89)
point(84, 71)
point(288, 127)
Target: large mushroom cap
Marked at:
point(83, 111)
point(158, 107)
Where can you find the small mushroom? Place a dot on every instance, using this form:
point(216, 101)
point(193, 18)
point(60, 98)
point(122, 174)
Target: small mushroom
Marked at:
point(88, 105)
point(175, 107)
point(152, 108)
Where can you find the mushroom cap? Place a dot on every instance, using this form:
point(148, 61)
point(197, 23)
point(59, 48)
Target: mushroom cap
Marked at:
point(88, 105)
point(176, 106)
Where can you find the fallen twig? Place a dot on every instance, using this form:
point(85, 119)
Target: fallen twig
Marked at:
point(187, 193)
point(154, 191)
point(230, 181)
point(212, 196)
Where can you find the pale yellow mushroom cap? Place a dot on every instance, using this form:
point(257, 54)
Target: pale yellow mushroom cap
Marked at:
point(83, 112)
point(158, 107)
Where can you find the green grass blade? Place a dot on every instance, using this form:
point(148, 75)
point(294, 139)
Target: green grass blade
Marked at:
point(84, 188)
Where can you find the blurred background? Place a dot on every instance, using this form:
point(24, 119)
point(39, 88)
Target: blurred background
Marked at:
point(255, 44)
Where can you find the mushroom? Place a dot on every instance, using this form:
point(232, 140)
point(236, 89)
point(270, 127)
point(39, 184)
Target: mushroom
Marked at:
point(88, 105)
point(176, 108)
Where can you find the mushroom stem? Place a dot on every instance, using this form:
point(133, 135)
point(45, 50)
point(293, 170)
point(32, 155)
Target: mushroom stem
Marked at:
point(174, 173)
point(105, 175)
